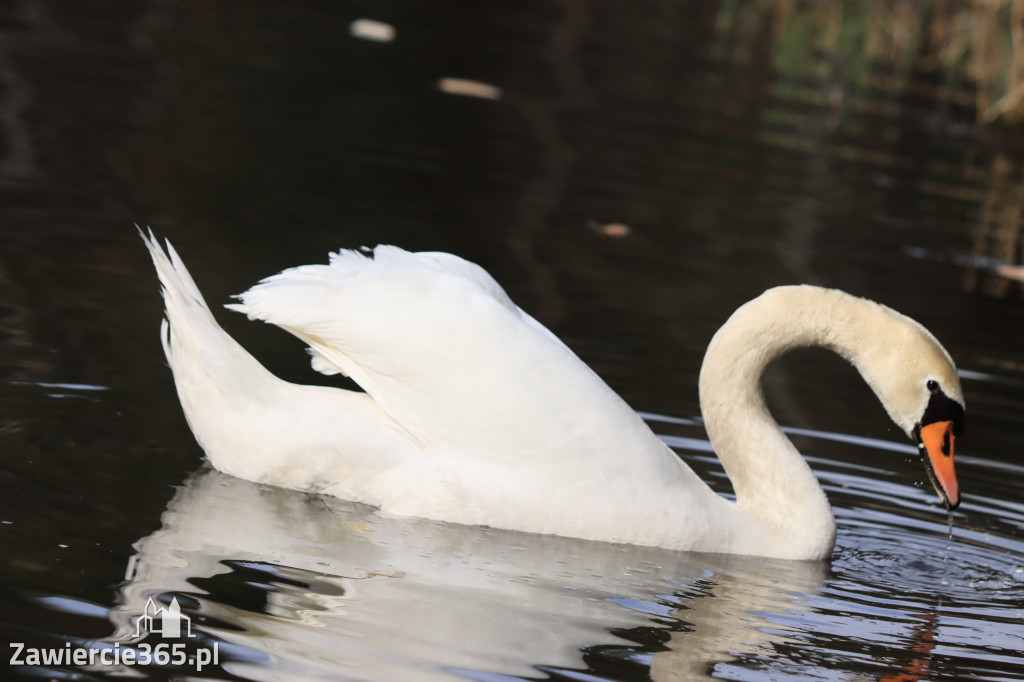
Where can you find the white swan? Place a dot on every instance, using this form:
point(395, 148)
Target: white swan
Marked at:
point(475, 413)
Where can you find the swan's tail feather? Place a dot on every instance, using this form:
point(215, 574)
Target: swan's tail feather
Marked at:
point(190, 335)
point(175, 279)
point(185, 278)
point(201, 354)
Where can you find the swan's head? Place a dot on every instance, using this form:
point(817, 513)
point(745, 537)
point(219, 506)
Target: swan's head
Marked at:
point(917, 382)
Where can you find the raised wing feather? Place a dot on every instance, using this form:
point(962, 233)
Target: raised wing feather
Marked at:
point(438, 345)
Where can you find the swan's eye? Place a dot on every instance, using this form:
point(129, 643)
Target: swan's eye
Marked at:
point(933, 385)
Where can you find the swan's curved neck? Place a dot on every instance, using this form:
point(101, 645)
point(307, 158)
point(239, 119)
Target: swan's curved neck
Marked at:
point(775, 488)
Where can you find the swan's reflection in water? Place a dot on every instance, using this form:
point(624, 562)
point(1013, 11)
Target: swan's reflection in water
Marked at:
point(301, 586)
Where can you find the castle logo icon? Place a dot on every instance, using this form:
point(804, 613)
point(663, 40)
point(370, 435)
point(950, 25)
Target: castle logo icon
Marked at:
point(165, 621)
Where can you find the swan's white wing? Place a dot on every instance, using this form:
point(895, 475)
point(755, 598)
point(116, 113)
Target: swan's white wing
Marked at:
point(445, 353)
point(386, 261)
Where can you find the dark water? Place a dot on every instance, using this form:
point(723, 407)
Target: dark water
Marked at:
point(644, 169)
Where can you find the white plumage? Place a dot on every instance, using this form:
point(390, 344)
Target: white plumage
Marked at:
point(475, 413)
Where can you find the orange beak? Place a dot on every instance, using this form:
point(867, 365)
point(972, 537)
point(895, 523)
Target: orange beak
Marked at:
point(936, 443)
